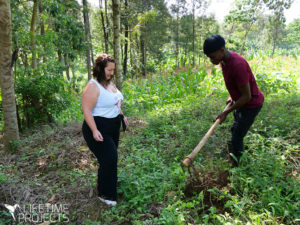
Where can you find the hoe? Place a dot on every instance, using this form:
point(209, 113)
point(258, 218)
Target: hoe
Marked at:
point(188, 161)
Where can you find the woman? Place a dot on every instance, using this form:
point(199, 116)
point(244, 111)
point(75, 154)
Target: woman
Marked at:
point(101, 105)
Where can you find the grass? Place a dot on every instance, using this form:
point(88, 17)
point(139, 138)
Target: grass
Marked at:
point(152, 186)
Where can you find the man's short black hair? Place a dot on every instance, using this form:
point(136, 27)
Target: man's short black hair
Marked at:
point(213, 43)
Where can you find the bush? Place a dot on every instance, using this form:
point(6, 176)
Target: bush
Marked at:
point(163, 90)
point(275, 82)
point(41, 96)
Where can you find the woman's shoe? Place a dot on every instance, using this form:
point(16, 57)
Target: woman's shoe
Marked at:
point(108, 202)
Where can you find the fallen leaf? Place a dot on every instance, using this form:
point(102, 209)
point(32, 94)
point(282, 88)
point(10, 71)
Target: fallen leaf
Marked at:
point(52, 198)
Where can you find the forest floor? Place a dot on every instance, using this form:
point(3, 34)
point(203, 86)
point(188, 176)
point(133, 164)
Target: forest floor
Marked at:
point(51, 167)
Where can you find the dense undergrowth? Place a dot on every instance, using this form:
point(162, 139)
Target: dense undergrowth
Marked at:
point(169, 114)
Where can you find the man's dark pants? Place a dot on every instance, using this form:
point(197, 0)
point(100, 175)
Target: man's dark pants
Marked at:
point(243, 119)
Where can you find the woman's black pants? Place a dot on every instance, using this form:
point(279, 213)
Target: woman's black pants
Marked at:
point(106, 153)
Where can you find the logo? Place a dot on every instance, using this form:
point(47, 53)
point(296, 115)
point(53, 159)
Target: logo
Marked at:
point(39, 213)
point(12, 209)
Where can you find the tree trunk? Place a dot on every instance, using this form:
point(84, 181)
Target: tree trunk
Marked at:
point(107, 24)
point(90, 36)
point(32, 33)
point(185, 54)
point(72, 68)
point(60, 61)
point(231, 31)
point(42, 26)
point(117, 49)
point(105, 34)
point(131, 54)
point(193, 32)
point(11, 130)
point(126, 42)
point(143, 53)
point(25, 60)
point(275, 37)
point(67, 67)
point(245, 38)
point(136, 60)
point(125, 51)
point(177, 40)
point(86, 29)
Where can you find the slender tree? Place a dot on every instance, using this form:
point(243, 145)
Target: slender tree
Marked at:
point(108, 28)
point(143, 45)
point(42, 25)
point(90, 39)
point(194, 6)
point(67, 66)
point(87, 37)
point(178, 9)
point(32, 32)
point(104, 26)
point(246, 13)
point(117, 48)
point(278, 19)
point(11, 131)
point(126, 27)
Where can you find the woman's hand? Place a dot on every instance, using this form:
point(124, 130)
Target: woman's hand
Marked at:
point(126, 121)
point(97, 135)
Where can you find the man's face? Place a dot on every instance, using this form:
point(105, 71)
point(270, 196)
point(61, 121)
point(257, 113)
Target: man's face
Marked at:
point(217, 56)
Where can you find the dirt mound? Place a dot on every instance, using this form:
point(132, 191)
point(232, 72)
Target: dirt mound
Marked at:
point(207, 180)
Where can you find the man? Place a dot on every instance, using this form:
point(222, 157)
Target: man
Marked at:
point(247, 99)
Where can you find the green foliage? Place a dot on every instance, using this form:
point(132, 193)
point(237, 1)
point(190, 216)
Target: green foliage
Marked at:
point(146, 174)
point(277, 75)
point(69, 35)
point(41, 96)
point(166, 89)
point(3, 177)
point(5, 217)
point(266, 182)
point(275, 83)
point(244, 12)
point(293, 35)
point(247, 20)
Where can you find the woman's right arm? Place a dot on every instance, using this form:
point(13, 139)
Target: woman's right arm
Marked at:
point(89, 99)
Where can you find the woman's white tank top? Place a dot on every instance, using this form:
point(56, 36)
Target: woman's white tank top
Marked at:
point(108, 104)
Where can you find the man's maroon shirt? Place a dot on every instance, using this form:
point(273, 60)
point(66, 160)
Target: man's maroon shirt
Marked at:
point(237, 72)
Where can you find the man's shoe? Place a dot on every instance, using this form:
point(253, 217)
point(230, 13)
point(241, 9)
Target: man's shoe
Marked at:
point(231, 156)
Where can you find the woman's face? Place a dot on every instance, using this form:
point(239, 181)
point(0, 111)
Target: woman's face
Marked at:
point(109, 70)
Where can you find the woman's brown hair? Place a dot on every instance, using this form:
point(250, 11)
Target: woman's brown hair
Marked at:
point(99, 66)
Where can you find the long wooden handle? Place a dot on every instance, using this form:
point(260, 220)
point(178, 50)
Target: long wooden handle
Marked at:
point(189, 158)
